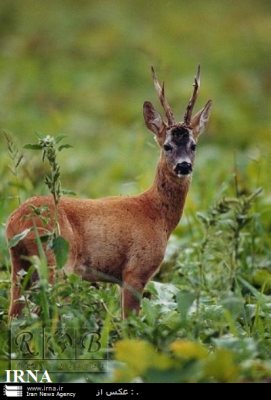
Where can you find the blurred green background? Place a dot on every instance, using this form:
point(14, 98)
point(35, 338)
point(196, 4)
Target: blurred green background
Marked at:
point(82, 68)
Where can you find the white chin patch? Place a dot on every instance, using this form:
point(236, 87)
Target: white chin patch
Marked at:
point(179, 175)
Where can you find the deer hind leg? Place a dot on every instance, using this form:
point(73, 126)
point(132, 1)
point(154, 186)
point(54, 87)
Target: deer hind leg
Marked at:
point(18, 262)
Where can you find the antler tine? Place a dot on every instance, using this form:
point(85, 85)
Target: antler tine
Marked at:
point(161, 94)
point(192, 101)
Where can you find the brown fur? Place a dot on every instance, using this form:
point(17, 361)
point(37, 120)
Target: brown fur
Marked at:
point(118, 239)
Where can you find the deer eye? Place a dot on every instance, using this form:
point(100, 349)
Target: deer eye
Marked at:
point(167, 147)
point(193, 147)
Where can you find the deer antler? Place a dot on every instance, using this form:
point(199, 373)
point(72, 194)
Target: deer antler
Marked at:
point(192, 101)
point(161, 94)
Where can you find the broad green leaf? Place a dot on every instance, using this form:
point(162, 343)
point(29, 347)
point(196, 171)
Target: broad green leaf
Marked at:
point(171, 319)
point(64, 146)
point(61, 249)
point(150, 310)
point(4, 301)
point(33, 146)
point(185, 301)
point(165, 293)
point(17, 238)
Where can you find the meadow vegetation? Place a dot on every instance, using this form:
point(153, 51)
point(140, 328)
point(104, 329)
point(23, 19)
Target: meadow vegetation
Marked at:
point(81, 69)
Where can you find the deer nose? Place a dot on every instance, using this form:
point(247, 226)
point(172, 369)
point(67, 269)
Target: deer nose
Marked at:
point(183, 168)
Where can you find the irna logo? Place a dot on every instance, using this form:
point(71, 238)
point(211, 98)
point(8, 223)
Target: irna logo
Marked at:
point(27, 376)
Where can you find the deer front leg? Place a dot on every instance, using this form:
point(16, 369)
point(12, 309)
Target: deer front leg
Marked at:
point(132, 290)
point(134, 281)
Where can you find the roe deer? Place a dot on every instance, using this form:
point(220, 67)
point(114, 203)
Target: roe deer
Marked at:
point(120, 239)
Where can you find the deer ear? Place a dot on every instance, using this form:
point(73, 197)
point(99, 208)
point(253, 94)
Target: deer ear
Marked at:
point(199, 121)
point(153, 119)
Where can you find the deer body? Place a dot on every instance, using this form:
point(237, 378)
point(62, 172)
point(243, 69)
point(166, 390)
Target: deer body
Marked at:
point(118, 239)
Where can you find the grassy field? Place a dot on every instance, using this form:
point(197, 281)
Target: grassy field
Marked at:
point(82, 69)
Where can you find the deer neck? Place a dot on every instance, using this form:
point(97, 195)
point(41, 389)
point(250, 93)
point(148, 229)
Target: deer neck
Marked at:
point(170, 194)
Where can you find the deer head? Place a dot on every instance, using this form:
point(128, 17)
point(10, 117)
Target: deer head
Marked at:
point(177, 140)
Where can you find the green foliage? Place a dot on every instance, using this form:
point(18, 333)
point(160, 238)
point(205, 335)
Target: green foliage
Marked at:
point(224, 223)
point(14, 154)
point(211, 324)
point(16, 158)
point(60, 248)
point(184, 361)
point(49, 148)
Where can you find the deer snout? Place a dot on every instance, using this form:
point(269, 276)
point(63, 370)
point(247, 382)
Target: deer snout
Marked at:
point(183, 168)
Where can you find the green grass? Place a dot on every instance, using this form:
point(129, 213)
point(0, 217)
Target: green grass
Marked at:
point(82, 69)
